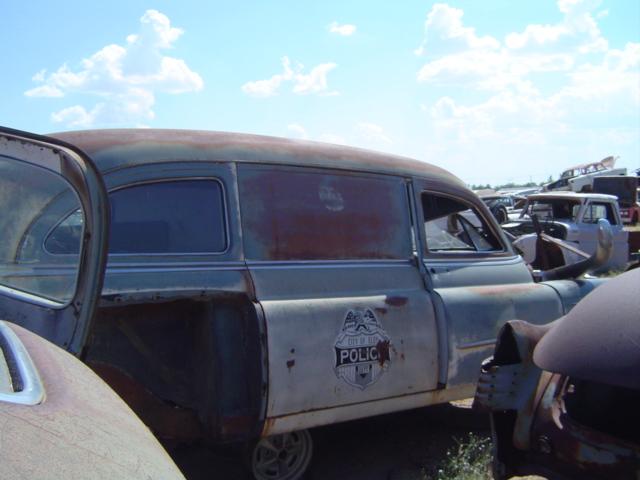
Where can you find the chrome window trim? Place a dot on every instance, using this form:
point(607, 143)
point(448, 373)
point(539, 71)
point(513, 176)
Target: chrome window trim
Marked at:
point(453, 253)
point(32, 392)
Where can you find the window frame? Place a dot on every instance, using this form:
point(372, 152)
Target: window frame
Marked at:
point(173, 179)
point(609, 208)
point(481, 212)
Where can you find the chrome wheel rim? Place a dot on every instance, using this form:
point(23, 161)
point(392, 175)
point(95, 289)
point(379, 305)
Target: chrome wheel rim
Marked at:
point(282, 457)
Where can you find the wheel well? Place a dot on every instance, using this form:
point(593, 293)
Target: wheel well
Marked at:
point(188, 367)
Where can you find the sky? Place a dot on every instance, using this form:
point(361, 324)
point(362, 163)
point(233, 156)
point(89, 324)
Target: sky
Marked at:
point(494, 91)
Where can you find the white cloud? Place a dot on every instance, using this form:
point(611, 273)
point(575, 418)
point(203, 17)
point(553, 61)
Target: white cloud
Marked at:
point(315, 82)
point(44, 91)
point(269, 87)
point(125, 78)
point(344, 30)
point(444, 25)
point(372, 133)
point(530, 96)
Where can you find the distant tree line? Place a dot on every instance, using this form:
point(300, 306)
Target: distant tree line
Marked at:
point(510, 185)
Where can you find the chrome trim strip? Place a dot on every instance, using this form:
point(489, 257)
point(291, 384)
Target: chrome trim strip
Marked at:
point(465, 262)
point(31, 298)
point(32, 392)
point(327, 263)
point(477, 344)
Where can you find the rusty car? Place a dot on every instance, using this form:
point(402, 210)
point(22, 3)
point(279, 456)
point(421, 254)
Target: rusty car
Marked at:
point(251, 288)
point(564, 397)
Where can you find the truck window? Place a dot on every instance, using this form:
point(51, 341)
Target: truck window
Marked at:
point(305, 214)
point(170, 217)
point(452, 226)
point(597, 210)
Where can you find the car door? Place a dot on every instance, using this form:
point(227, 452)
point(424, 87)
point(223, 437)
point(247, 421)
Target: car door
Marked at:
point(476, 280)
point(39, 178)
point(593, 211)
point(348, 321)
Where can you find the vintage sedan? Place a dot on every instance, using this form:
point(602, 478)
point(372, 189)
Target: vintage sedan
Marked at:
point(564, 397)
point(257, 287)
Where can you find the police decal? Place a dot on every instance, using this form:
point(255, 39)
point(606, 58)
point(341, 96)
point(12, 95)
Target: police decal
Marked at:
point(361, 349)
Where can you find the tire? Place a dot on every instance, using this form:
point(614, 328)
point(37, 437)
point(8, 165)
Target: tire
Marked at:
point(501, 214)
point(282, 457)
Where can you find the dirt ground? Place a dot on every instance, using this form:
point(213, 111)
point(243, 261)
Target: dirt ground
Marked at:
point(390, 447)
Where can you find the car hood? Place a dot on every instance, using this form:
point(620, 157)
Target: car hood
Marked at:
point(599, 339)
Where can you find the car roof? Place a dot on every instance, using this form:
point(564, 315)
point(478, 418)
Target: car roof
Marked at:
point(572, 196)
point(118, 148)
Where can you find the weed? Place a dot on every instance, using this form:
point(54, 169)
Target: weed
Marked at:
point(469, 459)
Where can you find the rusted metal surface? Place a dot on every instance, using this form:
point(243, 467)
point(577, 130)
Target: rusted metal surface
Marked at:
point(574, 450)
point(604, 333)
point(294, 214)
point(116, 148)
point(80, 430)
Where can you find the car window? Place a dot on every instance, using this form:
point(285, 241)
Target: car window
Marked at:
point(305, 214)
point(27, 193)
point(597, 210)
point(554, 209)
point(182, 216)
point(452, 226)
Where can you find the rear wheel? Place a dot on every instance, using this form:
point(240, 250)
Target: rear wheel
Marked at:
point(282, 457)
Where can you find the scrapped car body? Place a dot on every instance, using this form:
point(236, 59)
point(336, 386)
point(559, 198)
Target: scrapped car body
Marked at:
point(580, 178)
point(564, 397)
point(572, 218)
point(625, 188)
point(60, 420)
point(504, 206)
point(256, 287)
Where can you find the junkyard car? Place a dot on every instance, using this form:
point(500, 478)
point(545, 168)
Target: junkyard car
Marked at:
point(564, 397)
point(58, 419)
point(256, 287)
point(503, 206)
point(572, 218)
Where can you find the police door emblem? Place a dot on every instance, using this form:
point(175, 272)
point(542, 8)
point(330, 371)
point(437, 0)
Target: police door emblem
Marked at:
point(361, 349)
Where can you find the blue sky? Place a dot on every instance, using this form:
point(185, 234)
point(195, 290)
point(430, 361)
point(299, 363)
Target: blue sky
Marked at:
point(493, 90)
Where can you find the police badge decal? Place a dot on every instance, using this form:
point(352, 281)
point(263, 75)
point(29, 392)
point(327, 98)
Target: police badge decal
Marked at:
point(361, 349)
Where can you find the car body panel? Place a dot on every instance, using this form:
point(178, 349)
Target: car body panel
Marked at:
point(81, 429)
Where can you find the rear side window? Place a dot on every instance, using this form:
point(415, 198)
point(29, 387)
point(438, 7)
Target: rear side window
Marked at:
point(301, 214)
point(185, 216)
point(453, 227)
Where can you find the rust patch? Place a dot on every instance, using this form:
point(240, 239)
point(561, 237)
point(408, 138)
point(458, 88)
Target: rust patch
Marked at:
point(381, 310)
point(396, 301)
point(290, 364)
point(383, 352)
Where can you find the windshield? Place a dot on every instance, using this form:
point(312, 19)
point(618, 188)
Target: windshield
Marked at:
point(553, 209)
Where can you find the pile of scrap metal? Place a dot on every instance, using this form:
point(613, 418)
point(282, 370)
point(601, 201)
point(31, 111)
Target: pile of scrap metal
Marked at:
point(580, 177)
